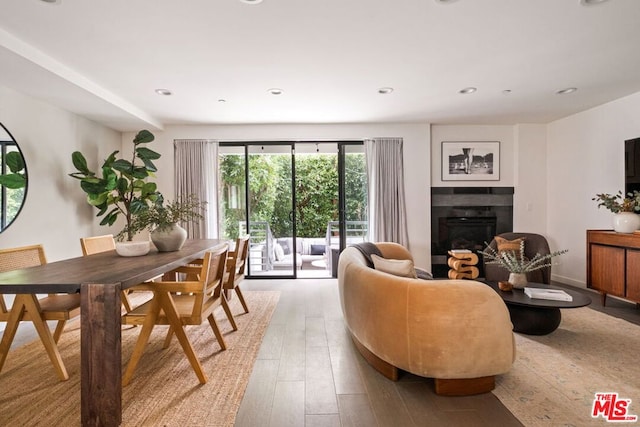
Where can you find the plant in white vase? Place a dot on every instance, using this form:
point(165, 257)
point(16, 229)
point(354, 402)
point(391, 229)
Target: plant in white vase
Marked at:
point(624, 208)
point(517, 263)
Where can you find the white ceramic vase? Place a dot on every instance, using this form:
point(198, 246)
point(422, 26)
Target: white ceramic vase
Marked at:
point(133, 248)
point(169, 240)
point(518, 280)
point(626, 222)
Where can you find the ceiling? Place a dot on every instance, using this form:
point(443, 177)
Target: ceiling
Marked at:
point(104, 59)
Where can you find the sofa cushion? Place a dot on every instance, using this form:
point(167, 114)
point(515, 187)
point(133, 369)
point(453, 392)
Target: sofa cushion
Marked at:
point(278, 252)
point(397, 267)
point(317, 249)
point(286, 245)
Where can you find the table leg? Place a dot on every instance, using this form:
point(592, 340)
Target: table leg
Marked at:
point(100, 355)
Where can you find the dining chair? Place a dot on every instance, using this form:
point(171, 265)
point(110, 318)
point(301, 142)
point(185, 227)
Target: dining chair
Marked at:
point(104, 243)
point(236, 265)
point(179, 303)
point(28, 307)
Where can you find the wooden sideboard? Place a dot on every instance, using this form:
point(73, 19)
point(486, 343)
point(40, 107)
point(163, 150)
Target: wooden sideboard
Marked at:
point(613, 264)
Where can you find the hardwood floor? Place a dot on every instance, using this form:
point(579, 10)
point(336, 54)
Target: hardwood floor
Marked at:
point(308, 373)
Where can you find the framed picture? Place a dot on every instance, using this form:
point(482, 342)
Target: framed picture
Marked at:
point(471, 161)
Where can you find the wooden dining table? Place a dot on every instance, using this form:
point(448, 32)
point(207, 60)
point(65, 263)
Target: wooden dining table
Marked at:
point(99, 279)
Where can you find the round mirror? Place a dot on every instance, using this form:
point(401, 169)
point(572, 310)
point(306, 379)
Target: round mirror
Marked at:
point(13, 178)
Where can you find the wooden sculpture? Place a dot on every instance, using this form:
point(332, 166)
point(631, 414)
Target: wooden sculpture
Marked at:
point(462, 264)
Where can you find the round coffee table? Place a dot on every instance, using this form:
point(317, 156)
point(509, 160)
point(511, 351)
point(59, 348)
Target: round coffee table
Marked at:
point(537, 316)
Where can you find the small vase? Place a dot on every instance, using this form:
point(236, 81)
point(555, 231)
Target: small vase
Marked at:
point(132, 248)
point(169, 240)
point(518, 280)
point(626, 222)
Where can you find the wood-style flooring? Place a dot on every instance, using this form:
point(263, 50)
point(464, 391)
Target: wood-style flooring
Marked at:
point(308, 373)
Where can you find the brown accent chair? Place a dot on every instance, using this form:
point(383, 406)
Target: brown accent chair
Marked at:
point(456, 331)
point(181, 303)
point(533, 244)
point(60, 307)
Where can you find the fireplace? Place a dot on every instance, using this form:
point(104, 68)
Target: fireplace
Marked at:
point(466, 218)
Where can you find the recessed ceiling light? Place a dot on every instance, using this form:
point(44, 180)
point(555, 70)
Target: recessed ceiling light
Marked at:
point(222, 101)
point(51, 1)
point(251, 1)
point(445, 1)
point(467, 90)
point(592, 2)
point(275, 91)
point(165, 92)
point(566, 91)
point(385, 90)
point(506, 92)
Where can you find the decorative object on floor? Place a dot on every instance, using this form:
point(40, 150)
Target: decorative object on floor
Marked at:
point(163, 393)
point(624, 209)
point(162, 221)
point(471, 161)
point(517, 263)
point(123, 189)
point(555, 377)
point(462, 264)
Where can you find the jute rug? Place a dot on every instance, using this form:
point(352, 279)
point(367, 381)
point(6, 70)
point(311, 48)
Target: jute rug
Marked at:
point(555, 377)
point(164, 390)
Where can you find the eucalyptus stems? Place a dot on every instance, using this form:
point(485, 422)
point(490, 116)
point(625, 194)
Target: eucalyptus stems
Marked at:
point(516, 261)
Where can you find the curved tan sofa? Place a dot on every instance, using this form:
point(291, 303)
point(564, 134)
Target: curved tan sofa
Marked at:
point(455, 331)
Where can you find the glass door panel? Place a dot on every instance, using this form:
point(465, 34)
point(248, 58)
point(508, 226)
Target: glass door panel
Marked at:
point(271, 216)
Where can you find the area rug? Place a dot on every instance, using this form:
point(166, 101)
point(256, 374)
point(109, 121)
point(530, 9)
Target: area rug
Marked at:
point(555, 377)
point(164, 390)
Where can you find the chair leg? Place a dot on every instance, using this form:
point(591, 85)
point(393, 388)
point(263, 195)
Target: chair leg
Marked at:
point(227, 310)
point(241, 298)
point(178, 328)
point(59, 329)
point(216, 331)
point(15, 316)
point(124, 296)
point(33, 308)
point(143, 338)
point(167, 340)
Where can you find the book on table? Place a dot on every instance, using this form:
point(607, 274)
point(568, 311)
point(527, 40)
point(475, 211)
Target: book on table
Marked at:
point(550, 294)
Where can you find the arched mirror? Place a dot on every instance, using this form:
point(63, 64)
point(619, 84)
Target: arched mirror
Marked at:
point(13, 179)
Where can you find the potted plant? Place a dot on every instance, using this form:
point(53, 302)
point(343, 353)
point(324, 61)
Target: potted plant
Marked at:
point(624, 208)
point(162, 221)
point(517, 263)
point(122, 188)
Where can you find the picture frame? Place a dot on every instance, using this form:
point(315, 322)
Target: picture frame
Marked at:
point(471, 160)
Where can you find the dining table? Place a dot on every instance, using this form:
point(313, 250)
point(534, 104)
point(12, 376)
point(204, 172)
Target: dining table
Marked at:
point(99, 278)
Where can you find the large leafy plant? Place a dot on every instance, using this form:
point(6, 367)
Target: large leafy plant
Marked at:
point(617, 203)
point(123, 187)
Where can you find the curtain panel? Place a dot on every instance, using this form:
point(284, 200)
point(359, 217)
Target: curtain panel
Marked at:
point(196, 172)
point(387, 209)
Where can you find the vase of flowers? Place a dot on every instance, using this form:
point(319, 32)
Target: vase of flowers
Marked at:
point(517, 263)
point(624, 209)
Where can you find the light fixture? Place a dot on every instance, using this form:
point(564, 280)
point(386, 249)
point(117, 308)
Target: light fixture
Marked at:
point(222, 101)
point(275, 91)
point(591, 2)
point(506, 92)
point(385, 90)
point(467, 90)
point(566, 91)
point(251, 1)
point(445, 1)
point(163, 92)
point(52, 1)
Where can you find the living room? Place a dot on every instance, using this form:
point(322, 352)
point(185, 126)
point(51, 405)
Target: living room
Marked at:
point(555, 165)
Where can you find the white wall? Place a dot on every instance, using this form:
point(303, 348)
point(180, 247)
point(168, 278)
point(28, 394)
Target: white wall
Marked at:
point(416, 160)
point(585, 156)
point(55, 212)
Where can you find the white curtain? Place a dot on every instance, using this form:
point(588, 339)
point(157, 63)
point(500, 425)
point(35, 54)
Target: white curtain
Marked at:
point(196, 172)
point(387, 210)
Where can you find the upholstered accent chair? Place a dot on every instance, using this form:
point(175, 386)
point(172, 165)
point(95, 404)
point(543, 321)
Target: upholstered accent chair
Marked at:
point(533, 244)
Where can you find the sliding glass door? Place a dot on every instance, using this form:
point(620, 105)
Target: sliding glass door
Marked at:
point(301, 203)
